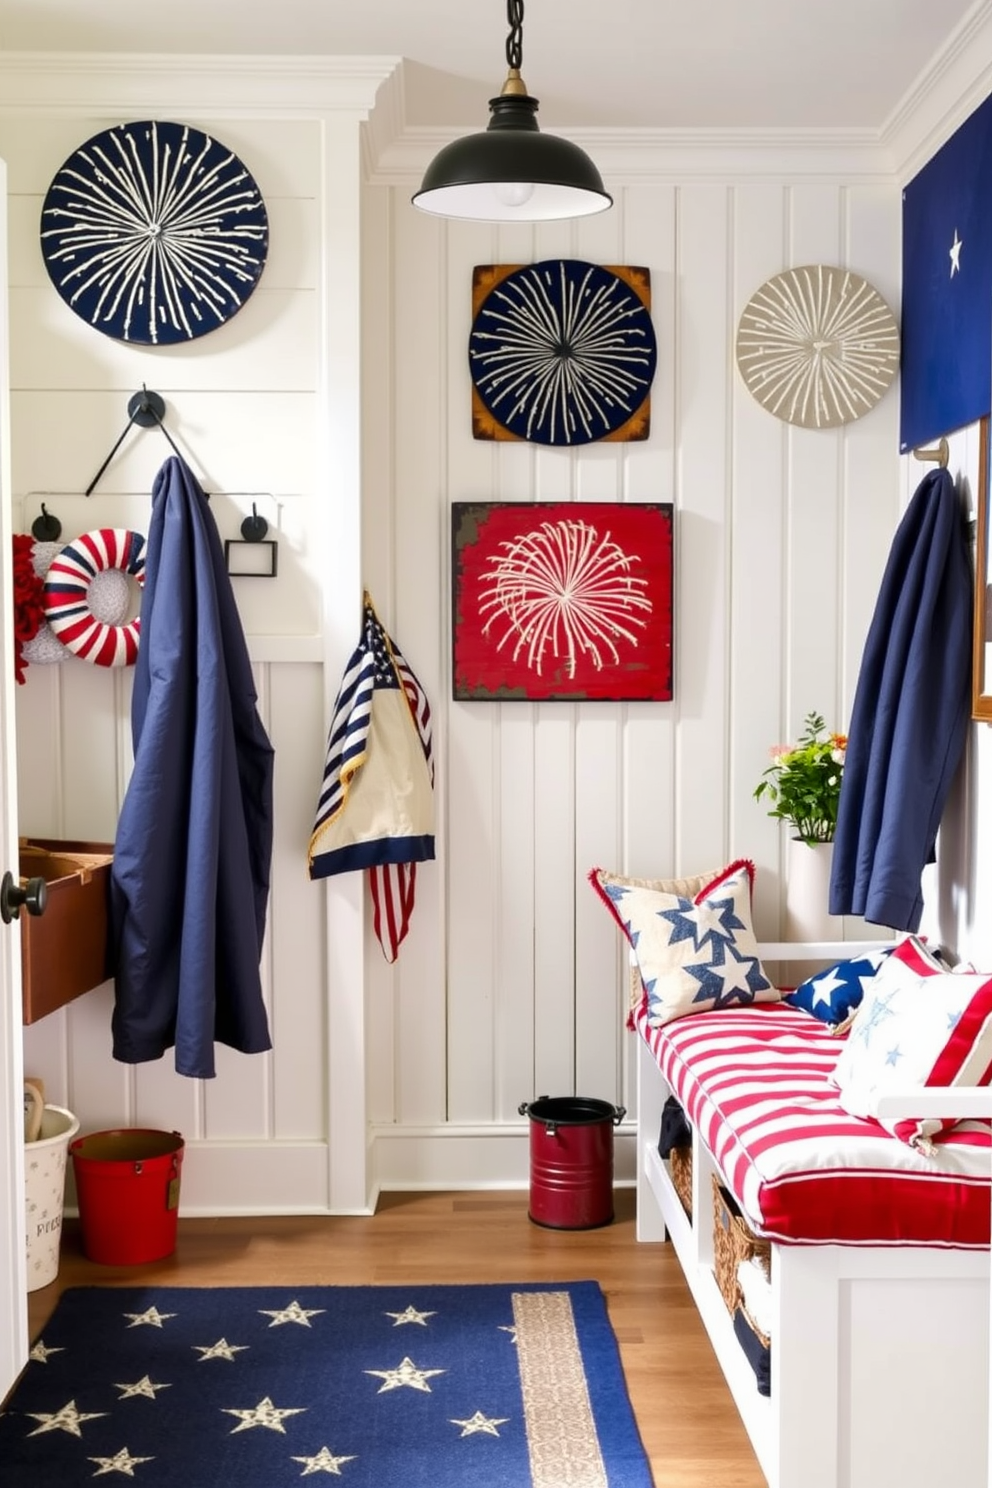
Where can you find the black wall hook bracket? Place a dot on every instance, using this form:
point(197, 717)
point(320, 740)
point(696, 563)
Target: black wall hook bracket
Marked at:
point(254, 528)
point(47, 527)
point(253, 555)
point(145, 409)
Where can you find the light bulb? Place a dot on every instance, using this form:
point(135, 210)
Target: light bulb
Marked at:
point(514, 193)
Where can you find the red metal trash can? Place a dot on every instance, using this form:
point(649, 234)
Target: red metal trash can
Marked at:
point(571, 1161)
point(127, 1184)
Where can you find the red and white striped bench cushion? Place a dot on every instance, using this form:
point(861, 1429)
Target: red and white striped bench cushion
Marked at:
point(754, 1082)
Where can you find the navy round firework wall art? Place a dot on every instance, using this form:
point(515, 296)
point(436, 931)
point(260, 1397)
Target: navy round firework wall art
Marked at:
point(154, 233)
point(561, 352)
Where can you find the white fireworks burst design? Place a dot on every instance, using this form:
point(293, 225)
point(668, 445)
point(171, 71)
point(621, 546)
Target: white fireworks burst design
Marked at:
point(154, 232)
point(562, 352)
point(562, 592)
point(817, 346)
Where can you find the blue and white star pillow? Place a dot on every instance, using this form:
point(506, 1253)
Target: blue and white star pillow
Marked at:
point(695, 954)
point(834, 994)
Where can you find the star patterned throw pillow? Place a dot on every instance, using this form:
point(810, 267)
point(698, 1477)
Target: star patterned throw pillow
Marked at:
point(918, 1025)
point(685, 888)
point(834, 994)
point(693, 954)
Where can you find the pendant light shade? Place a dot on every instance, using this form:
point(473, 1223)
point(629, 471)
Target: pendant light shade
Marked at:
point(512, 172)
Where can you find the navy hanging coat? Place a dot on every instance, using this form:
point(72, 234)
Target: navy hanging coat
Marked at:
point(910, 715)
point(190, 877)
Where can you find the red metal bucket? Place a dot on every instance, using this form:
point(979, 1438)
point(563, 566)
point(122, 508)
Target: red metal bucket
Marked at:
point(127, 1184)
point(571, 1161)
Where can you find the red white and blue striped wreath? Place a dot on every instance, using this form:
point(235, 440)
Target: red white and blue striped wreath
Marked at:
point(66, 595)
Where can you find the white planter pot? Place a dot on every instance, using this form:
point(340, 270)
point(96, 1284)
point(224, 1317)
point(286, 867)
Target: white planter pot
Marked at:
point(807, 893)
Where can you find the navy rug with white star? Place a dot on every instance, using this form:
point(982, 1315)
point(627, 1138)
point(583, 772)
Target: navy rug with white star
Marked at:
point(516, 1386)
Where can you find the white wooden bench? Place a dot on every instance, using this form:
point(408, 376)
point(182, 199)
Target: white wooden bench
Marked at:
point(879, 1356)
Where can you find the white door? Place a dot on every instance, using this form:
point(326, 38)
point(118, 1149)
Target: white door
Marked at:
point(13, 1258)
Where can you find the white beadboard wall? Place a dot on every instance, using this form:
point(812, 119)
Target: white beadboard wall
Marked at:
point(957, 885)
point(266, 409)
point(512, 981)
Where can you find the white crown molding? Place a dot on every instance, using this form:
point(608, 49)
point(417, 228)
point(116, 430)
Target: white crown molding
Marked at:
point(400, 156)
point(385, 122)
point(371, 88)
point(957, 81)
point(111, 82)
point(958, 78)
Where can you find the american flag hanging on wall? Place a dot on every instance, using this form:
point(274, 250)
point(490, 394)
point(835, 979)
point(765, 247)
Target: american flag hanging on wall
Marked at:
point(376, 807)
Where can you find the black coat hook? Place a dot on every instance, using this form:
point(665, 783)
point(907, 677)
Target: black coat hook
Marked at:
point(47, 527)
point(254, 528)
point(144, 409)
point(254, 548)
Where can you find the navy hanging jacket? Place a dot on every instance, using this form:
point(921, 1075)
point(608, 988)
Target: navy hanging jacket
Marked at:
point(910, 716)
point(190, 877)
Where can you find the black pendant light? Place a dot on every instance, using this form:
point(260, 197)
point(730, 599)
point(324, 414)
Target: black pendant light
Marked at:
point(512, 172)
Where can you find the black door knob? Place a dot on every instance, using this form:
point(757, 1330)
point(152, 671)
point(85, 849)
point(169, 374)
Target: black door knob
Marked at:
point(33, 895)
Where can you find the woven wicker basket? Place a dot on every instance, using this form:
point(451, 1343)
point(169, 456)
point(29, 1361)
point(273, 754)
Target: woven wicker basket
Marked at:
point(680, 1167)
point(733, 1242)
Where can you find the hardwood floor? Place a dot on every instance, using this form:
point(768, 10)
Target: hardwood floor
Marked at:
point(688, 1422)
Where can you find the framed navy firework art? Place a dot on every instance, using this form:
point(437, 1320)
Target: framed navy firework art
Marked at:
point(154, 233)
point(561, 352)
point(561, 600)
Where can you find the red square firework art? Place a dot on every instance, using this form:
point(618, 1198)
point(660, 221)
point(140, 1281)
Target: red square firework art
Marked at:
point(563, 600)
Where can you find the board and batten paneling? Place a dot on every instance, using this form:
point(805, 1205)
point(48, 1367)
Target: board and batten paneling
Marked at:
point(781, 536)
point(249, 406)
point(345, 375)
point(957, 885)
point(267, 1111)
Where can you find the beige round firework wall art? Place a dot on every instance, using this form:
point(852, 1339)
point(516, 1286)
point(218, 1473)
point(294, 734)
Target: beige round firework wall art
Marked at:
point(566, 600)
point(817, 346)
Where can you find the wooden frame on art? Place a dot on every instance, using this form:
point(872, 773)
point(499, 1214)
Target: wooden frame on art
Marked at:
point(561, 352)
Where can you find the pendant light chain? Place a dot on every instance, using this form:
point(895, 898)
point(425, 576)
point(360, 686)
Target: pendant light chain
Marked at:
point(515, 40)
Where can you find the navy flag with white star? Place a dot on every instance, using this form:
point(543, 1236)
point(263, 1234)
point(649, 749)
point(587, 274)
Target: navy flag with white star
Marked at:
point(946, 329)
